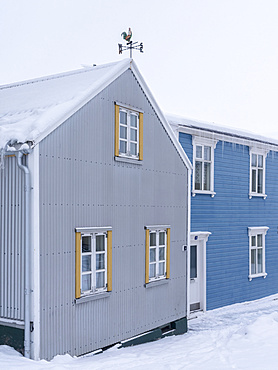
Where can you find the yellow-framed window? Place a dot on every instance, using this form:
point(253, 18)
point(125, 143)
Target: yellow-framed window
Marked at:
point(93, 261)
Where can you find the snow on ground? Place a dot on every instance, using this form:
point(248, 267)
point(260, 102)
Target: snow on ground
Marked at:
point(240, 336)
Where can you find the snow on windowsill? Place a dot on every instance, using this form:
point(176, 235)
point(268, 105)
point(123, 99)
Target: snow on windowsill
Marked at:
point(257, 195)
point(263, 274)
point(211, 193)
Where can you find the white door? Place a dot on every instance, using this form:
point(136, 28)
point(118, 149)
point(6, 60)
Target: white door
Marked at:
point(198, 271)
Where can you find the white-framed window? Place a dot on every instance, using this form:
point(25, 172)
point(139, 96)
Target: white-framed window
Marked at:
point(157, 253)
point(128, 133)
point(257, 173)
point(93, 260)
point(257, 251)
point(203, 165)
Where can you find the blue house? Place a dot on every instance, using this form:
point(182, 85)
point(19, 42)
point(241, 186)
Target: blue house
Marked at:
point(234, 214)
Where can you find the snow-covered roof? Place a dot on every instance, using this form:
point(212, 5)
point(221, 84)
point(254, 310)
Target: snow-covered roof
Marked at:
point(30, 110)
point(224, 132)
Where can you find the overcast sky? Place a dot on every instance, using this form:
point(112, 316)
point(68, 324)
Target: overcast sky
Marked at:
point(212, 60)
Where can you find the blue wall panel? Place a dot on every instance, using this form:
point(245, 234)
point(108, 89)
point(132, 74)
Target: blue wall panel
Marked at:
point(227, 216)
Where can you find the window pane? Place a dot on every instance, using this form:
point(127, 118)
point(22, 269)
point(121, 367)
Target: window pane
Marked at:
point(86, 263)
point(152, 270)
point(254, 181)
point(260, 181)
point(161, 253)
point(100, 261)
point(161, 268)
point(100, 280)
point(207, 176)
point(253, 241)
point(100, 243)
point(162, 238)
point(123, 117)
point(133, 149)
point(260, 161)
point(253, 261)
point(260, 261)
point(207, 153)
point(122, 146)
point(86, 282)
point(152, 239)
point(133, 134)
point(259, 240)
point(254, 160)
point(198, 175)
point(193, 261)
point(133, 120)
point(86, 244)
point(123, 132)
point(152, 255)
point(198, 151)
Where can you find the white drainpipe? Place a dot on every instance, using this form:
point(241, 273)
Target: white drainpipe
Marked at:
point(27, 289)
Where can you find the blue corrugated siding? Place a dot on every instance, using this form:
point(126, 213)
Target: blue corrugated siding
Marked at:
point(227, 216)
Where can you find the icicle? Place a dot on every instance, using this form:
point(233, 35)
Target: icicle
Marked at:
point(1, 158)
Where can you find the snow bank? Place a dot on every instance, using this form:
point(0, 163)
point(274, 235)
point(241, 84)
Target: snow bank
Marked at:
point(241, 336)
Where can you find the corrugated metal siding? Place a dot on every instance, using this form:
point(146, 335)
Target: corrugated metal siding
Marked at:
point(82, 185)
point(12, 236)
point(227, 216)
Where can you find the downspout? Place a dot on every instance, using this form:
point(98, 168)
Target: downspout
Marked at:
point(188, 239)
point(27, 288)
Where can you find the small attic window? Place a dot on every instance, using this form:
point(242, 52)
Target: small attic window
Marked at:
point(128, 133)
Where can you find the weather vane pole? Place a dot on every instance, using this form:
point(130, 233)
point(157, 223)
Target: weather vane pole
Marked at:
point(130, 45)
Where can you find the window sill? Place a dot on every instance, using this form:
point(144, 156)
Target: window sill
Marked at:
point(92, 297)
point(12, 323)
point(263, 274)
point(257, 195)
point(128, 160)
point(158, 282)
point(211, 193)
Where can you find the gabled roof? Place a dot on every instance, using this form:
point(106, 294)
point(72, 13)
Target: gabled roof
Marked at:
point(30, 110)
point(218, 132)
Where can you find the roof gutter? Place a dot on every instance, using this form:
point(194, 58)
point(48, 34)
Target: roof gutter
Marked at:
point(27, 290)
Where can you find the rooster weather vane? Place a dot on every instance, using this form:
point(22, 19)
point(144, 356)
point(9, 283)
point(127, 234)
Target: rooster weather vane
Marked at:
point(130, 45)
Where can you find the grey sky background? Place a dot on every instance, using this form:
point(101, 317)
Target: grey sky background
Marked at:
point(212, 60)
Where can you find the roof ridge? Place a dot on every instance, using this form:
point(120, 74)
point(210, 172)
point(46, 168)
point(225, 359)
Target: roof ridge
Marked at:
point(58, 75)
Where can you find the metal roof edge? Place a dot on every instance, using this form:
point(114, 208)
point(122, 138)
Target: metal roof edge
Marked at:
point(221, 132)
point(68, 111)
point(161, 116)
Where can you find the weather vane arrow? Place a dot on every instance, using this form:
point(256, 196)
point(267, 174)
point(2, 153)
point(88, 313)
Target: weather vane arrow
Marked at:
point(130, 45)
